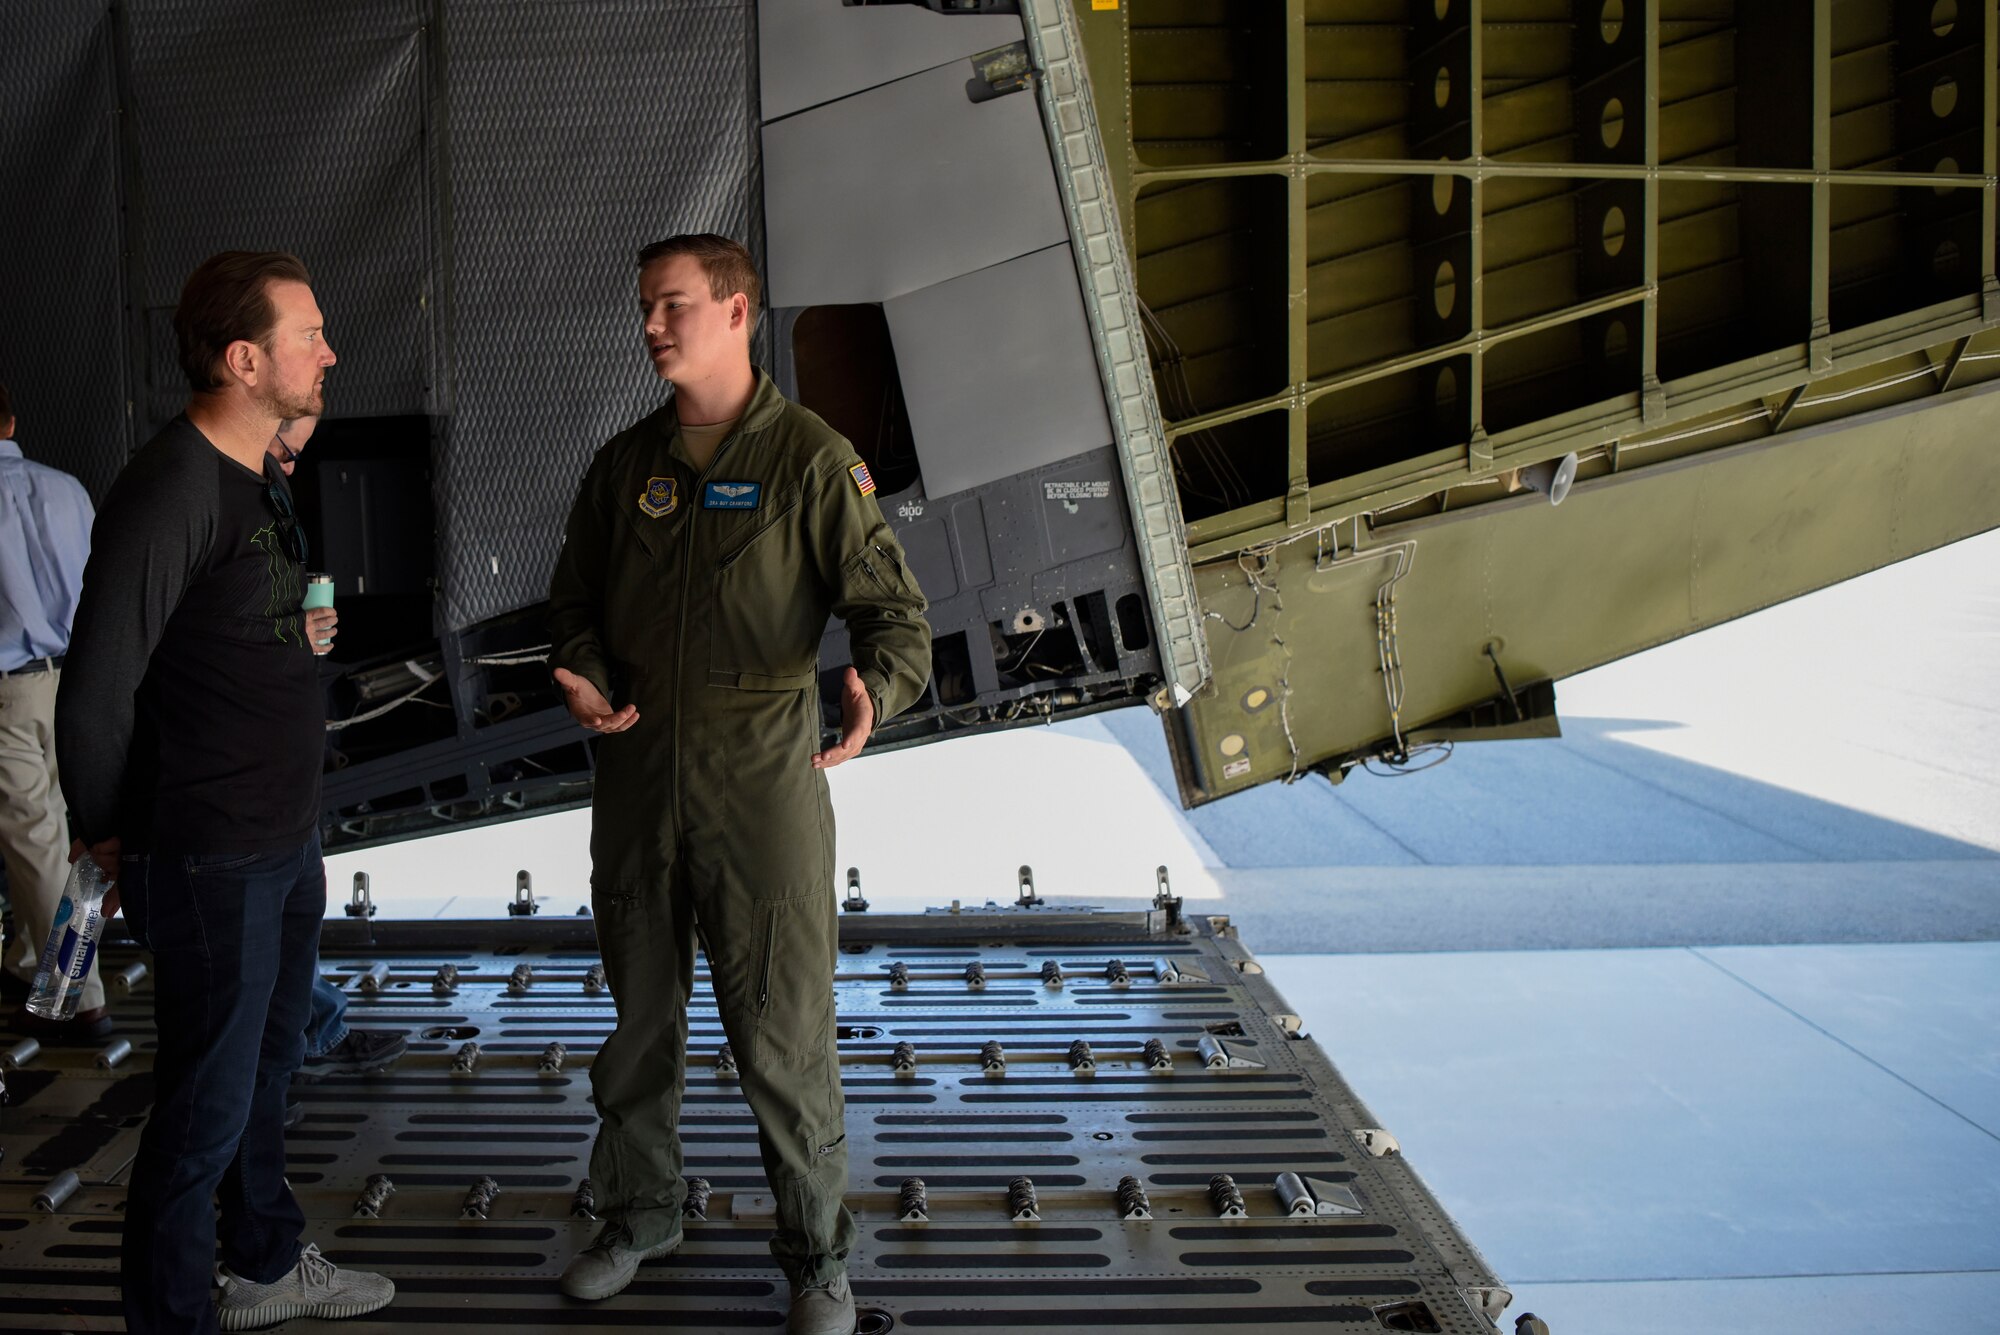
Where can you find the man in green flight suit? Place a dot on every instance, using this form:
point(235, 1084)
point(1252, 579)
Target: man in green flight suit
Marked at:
point(707, 546)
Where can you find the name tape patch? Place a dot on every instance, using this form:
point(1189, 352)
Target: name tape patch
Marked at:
point(661, 497)
point(732, 495)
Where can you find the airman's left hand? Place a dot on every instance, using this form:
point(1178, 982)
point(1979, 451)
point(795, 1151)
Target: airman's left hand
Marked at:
point(321, 627)
point(857, 721)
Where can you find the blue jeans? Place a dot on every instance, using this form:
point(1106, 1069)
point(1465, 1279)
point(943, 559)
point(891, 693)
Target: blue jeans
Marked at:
point(235, 942)
point(326, 1023)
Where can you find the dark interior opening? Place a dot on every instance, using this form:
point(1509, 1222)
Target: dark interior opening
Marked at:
point(951, 670)
point(1024, 658)
point(845, 367)
point(363, 489)
point(1132, 624)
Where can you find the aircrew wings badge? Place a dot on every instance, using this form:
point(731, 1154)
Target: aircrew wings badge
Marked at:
point(862, 482)
point(661, 497)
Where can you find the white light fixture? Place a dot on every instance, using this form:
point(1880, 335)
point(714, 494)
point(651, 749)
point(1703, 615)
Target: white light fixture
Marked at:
point(1552, 477)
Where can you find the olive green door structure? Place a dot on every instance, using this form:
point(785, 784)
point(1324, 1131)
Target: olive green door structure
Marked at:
point(1718, 278)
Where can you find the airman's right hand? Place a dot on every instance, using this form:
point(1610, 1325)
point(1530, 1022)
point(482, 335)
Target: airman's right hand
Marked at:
point(588, 706)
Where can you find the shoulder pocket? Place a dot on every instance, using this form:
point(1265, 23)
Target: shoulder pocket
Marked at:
point(877, 573)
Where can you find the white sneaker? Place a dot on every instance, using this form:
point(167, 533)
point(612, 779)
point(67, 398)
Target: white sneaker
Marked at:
point(314, 1287)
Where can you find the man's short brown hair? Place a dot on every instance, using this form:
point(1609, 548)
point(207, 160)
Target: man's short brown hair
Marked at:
point(728, 265)
point(228, 298)
point(6, 406)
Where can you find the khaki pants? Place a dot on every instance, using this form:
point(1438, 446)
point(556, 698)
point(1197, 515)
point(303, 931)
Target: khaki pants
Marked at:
point(34, 830)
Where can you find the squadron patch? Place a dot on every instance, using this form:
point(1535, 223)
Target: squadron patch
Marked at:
point(862, 481)
point(732, 495)
point(661, 497)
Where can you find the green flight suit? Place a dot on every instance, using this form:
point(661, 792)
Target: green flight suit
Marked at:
point(701, 598)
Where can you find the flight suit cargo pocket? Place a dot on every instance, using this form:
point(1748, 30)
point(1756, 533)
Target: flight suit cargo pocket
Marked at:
point(794, 994)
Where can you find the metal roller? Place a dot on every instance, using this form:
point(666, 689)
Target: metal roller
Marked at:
point(899, 976)
point(993, 1058)
point(445, 981)
point(1157, 1056)
point(595, 983)
point(1081, 1059)
point(22, 1053)
point(117, 1050)
point(1294, 1195)
point(552, 1059)
point(466, 1060)
point(519, 981)
point(583, 1204)
point(725, 1063)
point(1115, 974)
point(60, 1188)
point(1052, 975)
point(975, 976)
point(374, 978)
point(904, 1059)
point(127, 979)
point(1227, 1197)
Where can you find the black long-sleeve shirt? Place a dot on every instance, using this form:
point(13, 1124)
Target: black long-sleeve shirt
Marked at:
point(190, 718)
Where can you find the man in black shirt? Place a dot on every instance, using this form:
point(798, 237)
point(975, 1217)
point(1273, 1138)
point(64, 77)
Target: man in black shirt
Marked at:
point(189, 733)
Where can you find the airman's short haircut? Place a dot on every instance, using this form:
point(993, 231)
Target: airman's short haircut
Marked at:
point(6, 406)
point(728, 265)
point(227, 298)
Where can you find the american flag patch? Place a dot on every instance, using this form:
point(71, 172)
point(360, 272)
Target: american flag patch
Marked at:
point(864, 483)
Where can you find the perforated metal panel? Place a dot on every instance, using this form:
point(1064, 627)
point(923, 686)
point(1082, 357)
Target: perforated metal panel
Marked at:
point(61, 160)
point(578, 133)
point(237, 151)
point(1270, 1104)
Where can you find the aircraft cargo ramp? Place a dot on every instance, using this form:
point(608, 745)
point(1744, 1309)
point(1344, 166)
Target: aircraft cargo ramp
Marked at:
point(1196, 1160)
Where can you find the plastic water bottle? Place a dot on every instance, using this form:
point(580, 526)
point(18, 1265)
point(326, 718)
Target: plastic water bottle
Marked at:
point(72, 944)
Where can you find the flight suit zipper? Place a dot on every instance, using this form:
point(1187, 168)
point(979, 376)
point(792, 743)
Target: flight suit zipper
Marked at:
point(770, 952)
point(680, 623)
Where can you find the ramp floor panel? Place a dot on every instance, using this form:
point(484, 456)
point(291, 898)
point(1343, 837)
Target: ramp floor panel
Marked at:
point(1195, 1069)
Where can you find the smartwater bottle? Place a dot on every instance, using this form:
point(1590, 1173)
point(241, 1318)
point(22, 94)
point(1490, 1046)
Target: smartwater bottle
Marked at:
point(72, 944)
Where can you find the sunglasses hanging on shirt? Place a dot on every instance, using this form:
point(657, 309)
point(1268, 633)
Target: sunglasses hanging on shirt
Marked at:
point(290, 532)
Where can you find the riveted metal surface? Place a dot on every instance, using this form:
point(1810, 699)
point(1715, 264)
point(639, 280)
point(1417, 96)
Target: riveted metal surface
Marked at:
point(1275, 1106)
point(1104, 267)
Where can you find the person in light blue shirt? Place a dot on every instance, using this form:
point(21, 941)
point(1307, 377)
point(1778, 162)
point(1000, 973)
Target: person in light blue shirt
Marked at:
point(45, 519)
